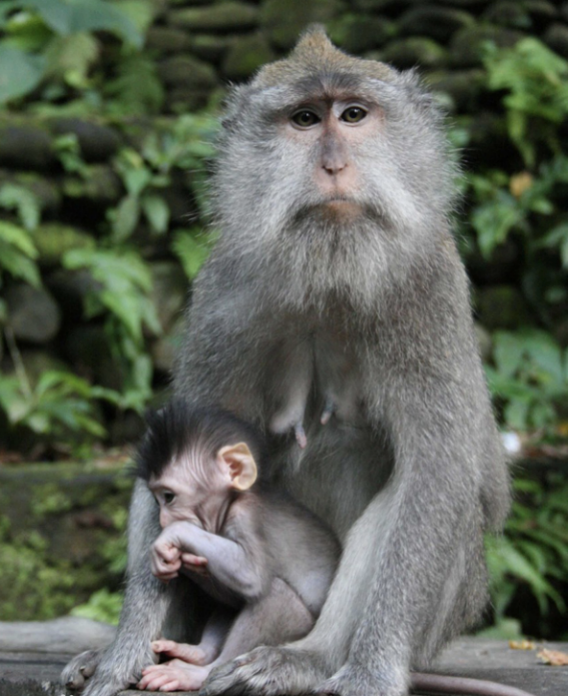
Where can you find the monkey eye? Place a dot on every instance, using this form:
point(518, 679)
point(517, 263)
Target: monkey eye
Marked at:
point(305, 118)
point(353, 114)
point(169, 497)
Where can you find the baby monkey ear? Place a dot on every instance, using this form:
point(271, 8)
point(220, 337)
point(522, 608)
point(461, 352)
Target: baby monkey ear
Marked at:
point(240, 464)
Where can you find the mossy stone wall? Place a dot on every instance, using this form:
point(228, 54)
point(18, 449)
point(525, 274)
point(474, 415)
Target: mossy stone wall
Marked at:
point(61, 536)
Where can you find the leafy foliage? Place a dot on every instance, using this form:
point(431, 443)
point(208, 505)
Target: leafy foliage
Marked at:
point(53, 43)
point(122, 292)
point(530, 378)
point(136, 88)
point(536, 101)
point(18, 253)
point(102, 606)
point(532, 557)
point(61, 403)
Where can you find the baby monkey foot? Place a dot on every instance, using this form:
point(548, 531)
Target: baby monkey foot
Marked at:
point(175, 675)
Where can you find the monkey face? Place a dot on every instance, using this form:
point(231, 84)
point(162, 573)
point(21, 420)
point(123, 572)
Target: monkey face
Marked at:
point(182, 495)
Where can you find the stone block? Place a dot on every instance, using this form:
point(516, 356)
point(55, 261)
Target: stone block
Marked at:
point(223, 17)
point(33, 313)
point(283, 20)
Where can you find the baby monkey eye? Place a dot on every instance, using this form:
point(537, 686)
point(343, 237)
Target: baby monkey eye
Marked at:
point(169, 497)
point(353, 114)
point(305, 118)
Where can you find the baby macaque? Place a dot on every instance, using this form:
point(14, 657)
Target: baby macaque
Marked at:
point(265, 559)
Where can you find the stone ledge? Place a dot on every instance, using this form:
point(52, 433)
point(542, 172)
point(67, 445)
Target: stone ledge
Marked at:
point(36, 673)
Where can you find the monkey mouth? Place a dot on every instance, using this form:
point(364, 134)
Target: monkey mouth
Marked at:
point(339, 207)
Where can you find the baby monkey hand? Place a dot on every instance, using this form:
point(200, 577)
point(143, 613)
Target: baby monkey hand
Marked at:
point(170, 552)
point(165, 559)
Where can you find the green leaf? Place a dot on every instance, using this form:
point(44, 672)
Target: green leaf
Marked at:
point(26, 203)
point(72, 16)
point(17, 253)
point(25, 73)
point(136, 180)
point(140, 12)
point(137, 88)
point(516, 414)
point(157, 212)
point(27, 32)
point(494, 220)
point(102, 606)
point(126, 282)
point(126, 216)
point(71, 57)
point(545, 353)
point(518, 565)
point(57, 14)
point(192, 247)
point(558, 237)
point(508, 352)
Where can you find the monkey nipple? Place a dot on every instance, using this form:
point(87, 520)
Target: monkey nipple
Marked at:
point(327, 412)
point(300, 433)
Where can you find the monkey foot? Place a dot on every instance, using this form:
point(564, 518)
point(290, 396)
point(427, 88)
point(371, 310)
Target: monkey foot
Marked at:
point(174, 675)
point(353, 681)
point(80, 669)
point(266, 672)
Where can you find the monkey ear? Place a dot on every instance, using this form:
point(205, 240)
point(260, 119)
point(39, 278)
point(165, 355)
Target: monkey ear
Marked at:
point(240, 464)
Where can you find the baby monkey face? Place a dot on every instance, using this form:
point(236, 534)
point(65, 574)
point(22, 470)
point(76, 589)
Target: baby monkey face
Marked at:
point(183, 494)
point(198, 487)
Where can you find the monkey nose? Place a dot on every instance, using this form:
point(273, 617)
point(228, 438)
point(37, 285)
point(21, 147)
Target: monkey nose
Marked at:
point(334, 168)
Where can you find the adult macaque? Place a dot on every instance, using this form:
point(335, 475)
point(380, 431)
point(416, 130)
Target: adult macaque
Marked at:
point(266, 560)
point(336, 293)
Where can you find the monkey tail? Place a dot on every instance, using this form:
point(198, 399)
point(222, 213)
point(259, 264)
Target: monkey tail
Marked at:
point(444, 684)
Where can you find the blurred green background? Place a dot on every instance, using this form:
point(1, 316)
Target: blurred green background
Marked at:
point(107, 124)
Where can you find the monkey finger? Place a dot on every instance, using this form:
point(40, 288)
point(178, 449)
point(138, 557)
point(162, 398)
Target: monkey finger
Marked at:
point(166, 577)
point(192, 559)
point(168, 555)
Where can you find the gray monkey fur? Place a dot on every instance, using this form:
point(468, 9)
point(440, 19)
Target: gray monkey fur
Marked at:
point(293, 310)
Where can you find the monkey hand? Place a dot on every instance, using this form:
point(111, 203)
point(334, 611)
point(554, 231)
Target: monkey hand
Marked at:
point(165, 560)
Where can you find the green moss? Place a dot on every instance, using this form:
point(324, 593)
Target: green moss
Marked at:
point(61, 539)
point(52, 240)
point(49, 499)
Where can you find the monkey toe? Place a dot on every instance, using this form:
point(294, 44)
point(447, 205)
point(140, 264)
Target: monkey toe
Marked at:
point(76, 683)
